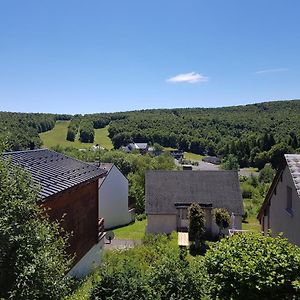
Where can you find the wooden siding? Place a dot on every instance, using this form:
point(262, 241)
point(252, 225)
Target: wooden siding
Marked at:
point(79, 206)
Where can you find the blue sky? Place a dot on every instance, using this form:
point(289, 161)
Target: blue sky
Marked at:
point(70, 56)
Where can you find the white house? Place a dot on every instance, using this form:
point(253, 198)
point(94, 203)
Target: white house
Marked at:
point(280, 211)
point(113, 197)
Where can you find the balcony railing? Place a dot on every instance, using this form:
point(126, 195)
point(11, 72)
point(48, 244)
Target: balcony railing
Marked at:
point(101, 231)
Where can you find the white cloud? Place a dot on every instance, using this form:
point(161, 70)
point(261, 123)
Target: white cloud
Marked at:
point(271, 71)
point(191, 77)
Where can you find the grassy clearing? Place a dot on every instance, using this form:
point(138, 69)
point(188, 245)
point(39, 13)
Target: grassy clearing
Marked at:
point(252, 225)
point(169, 149)
point(101, 138)
point(57, 136)
point(192, 156)
point(134, 231)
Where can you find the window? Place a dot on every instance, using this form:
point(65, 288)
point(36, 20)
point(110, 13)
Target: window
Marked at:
point(289, 200)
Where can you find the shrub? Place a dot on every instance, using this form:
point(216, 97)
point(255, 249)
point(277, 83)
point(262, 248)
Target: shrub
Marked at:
point(252, 266)
point(140, 217)
point(221, 217)
point(247, 190)
point(266, 174)
point(197, 223)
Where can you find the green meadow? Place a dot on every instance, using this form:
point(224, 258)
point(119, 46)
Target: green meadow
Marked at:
point(57, 136)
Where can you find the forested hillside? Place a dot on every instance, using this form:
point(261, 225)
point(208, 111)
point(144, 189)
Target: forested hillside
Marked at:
point(21, 130)
point(255, 134)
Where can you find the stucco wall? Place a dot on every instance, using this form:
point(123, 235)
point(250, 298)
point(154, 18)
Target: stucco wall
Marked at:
point(168, 223)
point(113, 200)
point(161, 223)
point(280, 220)
point(89, 261)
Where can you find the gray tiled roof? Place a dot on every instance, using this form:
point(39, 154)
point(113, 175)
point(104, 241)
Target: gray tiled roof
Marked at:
point(166, 188)
point(293, 162)
point(53, 171)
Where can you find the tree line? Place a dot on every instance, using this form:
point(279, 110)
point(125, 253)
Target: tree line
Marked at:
point(22, 130)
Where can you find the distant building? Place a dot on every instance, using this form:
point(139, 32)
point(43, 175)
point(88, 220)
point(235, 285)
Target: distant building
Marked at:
point(168, 194)
point(141, 147)
point(280, 211)
point(69, 189)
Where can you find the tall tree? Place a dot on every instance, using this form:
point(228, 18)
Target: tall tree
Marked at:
point(33, 261)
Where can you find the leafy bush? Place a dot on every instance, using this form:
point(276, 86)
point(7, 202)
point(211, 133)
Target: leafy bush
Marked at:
point(221, 217)
point(230, 163)
point(151, 271)
point(140, 217)
point(33, 261)
point(266, 174)
point(252, 266)
point(247, 190)
point(197, 222)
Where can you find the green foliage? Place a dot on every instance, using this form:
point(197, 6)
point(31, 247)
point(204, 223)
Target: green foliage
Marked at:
point(252, 266)
point(230, 163)
point(197, 223)
point(247, 190)
point(150, 271)
point(86, 132)
point(71, 135)
point(133, 166)
point(140, 217)
point(22, 129)
point(222, 217)
point(33, 262)
point(277, 152)
point(266, 175)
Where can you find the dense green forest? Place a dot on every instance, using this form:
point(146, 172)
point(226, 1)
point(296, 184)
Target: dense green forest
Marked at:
point(21, 130)
point(255, 133)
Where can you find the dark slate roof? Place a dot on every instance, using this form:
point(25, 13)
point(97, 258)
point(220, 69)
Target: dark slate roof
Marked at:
point(53, 171)
point(164, 189)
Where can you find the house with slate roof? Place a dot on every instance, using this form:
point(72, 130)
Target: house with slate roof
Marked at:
point(168, 194)
point(280, 211)
point(69, 190)
point(113, 198)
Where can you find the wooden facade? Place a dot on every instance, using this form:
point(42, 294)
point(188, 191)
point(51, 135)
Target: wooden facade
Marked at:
point(78, 206)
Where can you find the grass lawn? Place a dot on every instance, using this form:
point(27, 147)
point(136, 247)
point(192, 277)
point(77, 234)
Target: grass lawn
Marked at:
point(252, 225)
point(101, 138)
point(57, 136)
point(192, 156)
point(134, 231)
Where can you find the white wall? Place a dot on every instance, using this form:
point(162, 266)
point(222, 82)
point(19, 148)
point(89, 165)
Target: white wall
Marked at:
point(168, 223)
point(113, 199)
point(161, 223)
point(280, 220)
point(89, 261)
